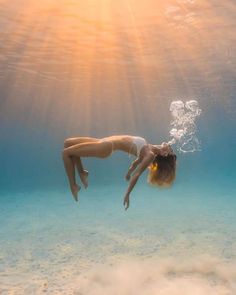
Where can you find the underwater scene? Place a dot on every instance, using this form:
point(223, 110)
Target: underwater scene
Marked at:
point(163, 70)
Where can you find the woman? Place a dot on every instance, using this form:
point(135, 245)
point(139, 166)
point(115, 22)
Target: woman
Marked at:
point(160, 159)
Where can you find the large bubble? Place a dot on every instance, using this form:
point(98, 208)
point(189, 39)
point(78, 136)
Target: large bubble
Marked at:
point(184, 128)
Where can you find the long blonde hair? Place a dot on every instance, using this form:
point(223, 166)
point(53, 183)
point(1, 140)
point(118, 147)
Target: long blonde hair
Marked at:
point(162, 170)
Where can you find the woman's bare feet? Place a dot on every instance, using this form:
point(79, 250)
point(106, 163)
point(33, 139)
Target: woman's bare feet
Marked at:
point(84, 178)
point(75, 189)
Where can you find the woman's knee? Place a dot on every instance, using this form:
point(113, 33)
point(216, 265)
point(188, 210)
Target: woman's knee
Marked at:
point(66, 153)
point(67, 142)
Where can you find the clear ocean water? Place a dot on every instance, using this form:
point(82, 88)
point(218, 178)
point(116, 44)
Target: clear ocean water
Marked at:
point(97, 68)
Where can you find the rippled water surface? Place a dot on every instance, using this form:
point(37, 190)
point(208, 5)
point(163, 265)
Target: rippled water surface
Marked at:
point(102, 67)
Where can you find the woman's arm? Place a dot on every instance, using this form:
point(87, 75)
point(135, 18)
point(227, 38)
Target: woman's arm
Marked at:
point(132, 167)
point(146, 161)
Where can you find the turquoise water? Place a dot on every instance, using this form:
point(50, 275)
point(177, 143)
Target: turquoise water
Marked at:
point(100, 68)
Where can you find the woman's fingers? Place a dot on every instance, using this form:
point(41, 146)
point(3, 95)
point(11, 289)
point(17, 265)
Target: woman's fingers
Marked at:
point(127, 205)
point(126, 202)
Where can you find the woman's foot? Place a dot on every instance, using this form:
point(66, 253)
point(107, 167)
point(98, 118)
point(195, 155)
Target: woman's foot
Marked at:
point(84, 178)
point(75, 189)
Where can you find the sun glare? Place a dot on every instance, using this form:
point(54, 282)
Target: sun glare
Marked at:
point(104, 60)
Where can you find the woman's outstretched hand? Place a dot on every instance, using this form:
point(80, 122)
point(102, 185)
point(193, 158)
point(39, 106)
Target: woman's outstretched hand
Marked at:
point(126, 202)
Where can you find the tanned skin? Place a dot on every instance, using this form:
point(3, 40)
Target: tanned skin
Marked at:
point(79, 147)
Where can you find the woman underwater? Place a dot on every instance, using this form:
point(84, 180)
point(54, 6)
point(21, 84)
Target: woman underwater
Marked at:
point(159, 159)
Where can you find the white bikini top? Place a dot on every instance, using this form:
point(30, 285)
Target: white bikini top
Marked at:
point(139, 142)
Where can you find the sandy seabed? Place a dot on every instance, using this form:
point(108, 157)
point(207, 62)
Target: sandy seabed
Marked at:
point(181, 245)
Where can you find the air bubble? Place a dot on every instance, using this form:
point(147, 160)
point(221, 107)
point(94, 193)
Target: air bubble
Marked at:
point(184, 128)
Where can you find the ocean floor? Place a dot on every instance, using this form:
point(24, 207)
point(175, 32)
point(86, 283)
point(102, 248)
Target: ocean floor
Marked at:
point(168, 242)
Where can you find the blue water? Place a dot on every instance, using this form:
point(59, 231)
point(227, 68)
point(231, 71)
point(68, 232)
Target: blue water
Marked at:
point(98, 68)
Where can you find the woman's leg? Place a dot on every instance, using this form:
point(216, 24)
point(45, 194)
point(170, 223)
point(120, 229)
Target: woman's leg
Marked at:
point(87, 149)
point(83, 174)
point(70, 170)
